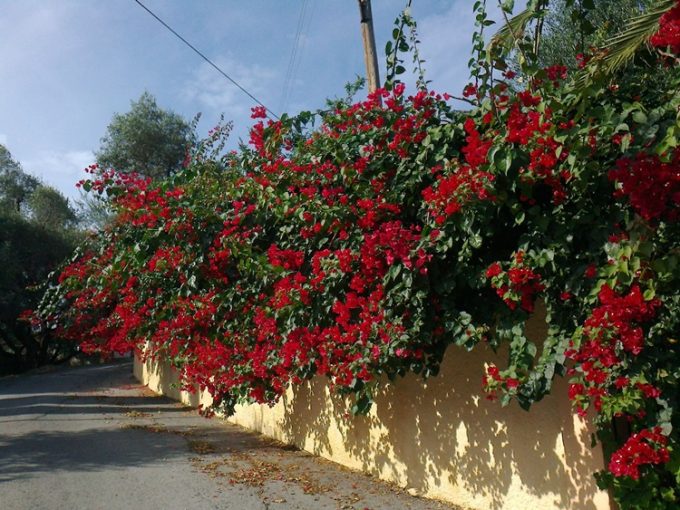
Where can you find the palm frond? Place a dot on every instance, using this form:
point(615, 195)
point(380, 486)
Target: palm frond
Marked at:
point(621, 48)
point(513, 29)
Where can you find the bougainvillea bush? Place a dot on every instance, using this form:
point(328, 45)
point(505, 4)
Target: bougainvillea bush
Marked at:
point(364, 246)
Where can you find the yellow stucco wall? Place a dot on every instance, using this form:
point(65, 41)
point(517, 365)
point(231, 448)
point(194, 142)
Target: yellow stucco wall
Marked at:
point(439, 437)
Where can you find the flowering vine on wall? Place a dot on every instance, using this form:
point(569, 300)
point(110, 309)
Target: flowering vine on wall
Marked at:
point(364, 247)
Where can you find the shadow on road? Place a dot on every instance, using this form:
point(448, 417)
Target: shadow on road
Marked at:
point(37, 453)
point(83, 420)
point(56, 403)
point(72, 437)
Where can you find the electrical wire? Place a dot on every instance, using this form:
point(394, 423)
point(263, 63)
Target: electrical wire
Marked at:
point(301, 54)
point(215, 66)
point(287, 82)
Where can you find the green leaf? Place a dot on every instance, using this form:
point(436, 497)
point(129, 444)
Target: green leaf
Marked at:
point(362, 405)
point(508, 6)
point(640, 117)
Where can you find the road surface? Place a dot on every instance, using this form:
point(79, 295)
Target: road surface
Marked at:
point(93, 438)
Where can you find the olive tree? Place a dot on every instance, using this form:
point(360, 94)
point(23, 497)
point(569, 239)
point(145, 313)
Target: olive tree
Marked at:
point(147, 140)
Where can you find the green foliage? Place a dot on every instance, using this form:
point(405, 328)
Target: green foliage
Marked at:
point(147, 140)
point(48, 207)
point(15, 185)
point(404, 40)
point(37, 232)
point(28, 252)
point(636, 31)
point(569, 31)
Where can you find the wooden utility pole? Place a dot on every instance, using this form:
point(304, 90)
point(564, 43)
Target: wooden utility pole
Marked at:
point(368, 37)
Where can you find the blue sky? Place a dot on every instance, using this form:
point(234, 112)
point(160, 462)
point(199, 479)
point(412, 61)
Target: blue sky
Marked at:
point(67, 66)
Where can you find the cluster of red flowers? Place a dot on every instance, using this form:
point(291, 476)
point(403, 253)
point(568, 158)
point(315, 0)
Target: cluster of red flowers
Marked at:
point(651, 185)
point(611, 330)
point(534, 130)
point(165, 260)
point(644, 448)
point(518, 285)
point(453, 191)
point(410, 130)
point(287, 259)
point(668, 36)
point(556, 73)
point(523, 121)
point(476, 149)
point(493, 381)
point(236, 323)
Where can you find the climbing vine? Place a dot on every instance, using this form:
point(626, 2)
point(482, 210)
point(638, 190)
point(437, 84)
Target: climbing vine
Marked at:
point(363, 248)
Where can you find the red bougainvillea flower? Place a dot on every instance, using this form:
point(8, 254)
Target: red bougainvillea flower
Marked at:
point(652, 186)
point(647, 447)
point(518, 285)
point(258, 112)
point(612, 331)
point(668, 36)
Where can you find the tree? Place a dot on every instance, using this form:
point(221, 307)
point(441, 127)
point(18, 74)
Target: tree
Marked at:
point(28, 252)
point(48, 207)
point(147, 140)
point(621, 30)
point(568, 31)
point(94, 211)
point(15, 185)
point(37, 232)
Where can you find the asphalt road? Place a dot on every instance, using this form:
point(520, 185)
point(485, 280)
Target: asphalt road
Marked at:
point(93, 438)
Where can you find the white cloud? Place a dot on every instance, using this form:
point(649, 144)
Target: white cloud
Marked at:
point(60, 169)
point(217, 94)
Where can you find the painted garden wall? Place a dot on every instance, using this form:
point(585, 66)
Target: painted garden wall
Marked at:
point(440, 437)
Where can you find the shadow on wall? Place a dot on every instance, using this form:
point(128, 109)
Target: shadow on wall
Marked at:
point(162, 378)
point(440, 437)
point(441, 434)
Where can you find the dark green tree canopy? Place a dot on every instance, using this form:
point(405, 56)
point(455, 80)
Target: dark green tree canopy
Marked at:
point(38, 230)
point(28, 252)
point(147, 140)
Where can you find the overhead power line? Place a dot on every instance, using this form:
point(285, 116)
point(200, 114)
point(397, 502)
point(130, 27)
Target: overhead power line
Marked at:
point(200, 54)
point(297, 51)
point(293, 54)
point(303, 46)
